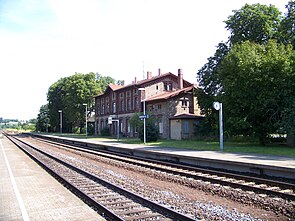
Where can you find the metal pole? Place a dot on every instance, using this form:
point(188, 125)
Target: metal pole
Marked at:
point(118, 129)
point(60, 116)
point(46, 125)
point(221, 127)
point(144, 119)
point(144, 125)
point(86, 119)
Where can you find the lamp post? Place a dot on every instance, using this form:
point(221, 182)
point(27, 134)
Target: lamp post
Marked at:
point(218, 106)
point(46, 120)
point(46, 124)
point(60, 117)
point(144, 119)
point(85, 118)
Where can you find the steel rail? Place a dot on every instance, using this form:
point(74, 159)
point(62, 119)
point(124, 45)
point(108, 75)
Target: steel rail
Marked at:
point(160, 208)
point(189, 169)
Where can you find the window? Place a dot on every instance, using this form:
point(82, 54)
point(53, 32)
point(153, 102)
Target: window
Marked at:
point(128, 126)
point(160, 124)
point(122, 105)
point(97, 108)
point(114, 107)
point(128, 104)
point(108, 108)
point(167, 86)
point(135, 104)
point(184, 102)
point(107, 105)
point(121, 125)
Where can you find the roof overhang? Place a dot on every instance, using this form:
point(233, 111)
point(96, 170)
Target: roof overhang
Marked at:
point(186, 116)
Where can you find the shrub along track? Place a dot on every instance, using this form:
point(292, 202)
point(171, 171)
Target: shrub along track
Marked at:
point(225, 185)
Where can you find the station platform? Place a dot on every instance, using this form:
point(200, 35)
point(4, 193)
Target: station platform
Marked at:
point(27, 192)
point(271, 160)
point(269, 165)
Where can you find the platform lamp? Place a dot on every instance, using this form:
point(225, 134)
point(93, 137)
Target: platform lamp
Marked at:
point(60, 117)
point(85, 118)
point(144, 119)
point(218, 106)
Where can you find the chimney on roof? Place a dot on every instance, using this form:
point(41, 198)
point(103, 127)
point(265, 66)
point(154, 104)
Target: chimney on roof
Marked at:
point(149, 75)
point(180, 79)
point(159, 72)
point(135, 80)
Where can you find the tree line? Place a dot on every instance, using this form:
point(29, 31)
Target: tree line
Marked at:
point(252, 74)
point(70, 95)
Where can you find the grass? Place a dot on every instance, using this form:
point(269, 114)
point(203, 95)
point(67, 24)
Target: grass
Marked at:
point(229, 146)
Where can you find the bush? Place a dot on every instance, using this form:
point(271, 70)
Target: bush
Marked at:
point(152, 131)
point(205, 131)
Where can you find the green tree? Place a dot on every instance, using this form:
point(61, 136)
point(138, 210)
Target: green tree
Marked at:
point(227, 74)
point(42, 123)
point(256, 23)
point(29, 125)
point(209, 88)
point(287, 26)
point(134, 121)
point(69, 94)
point(152, 130)
point(257, 83)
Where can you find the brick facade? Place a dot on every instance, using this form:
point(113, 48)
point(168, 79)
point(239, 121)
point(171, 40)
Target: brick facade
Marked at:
point(166, 96)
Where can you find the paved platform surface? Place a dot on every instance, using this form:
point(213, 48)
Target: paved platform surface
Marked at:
point(279, 166)
point(269, 160)
point(248, 158)
point(27, 192)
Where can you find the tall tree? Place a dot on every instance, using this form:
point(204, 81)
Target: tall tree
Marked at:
point(210, 86)
point(257, 23)
point(42, 123)
point(69, 94)
point(287, 27)
point(254, 75)
point(257, 84)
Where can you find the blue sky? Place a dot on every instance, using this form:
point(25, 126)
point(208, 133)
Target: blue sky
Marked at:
point(42, 41)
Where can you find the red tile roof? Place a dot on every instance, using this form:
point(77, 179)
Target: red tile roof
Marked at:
point(167, 95)
point(151, 79)
point(115, 87)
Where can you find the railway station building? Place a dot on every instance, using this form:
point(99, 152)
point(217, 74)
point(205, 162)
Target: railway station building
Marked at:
point(167, 97)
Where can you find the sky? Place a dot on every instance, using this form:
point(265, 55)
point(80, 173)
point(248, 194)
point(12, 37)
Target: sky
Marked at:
point(42, 41)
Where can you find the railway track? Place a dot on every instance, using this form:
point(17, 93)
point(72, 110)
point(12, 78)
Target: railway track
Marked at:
point(247, 183)
point(113, 201)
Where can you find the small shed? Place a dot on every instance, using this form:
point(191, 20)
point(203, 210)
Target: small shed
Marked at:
point(182, 126)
